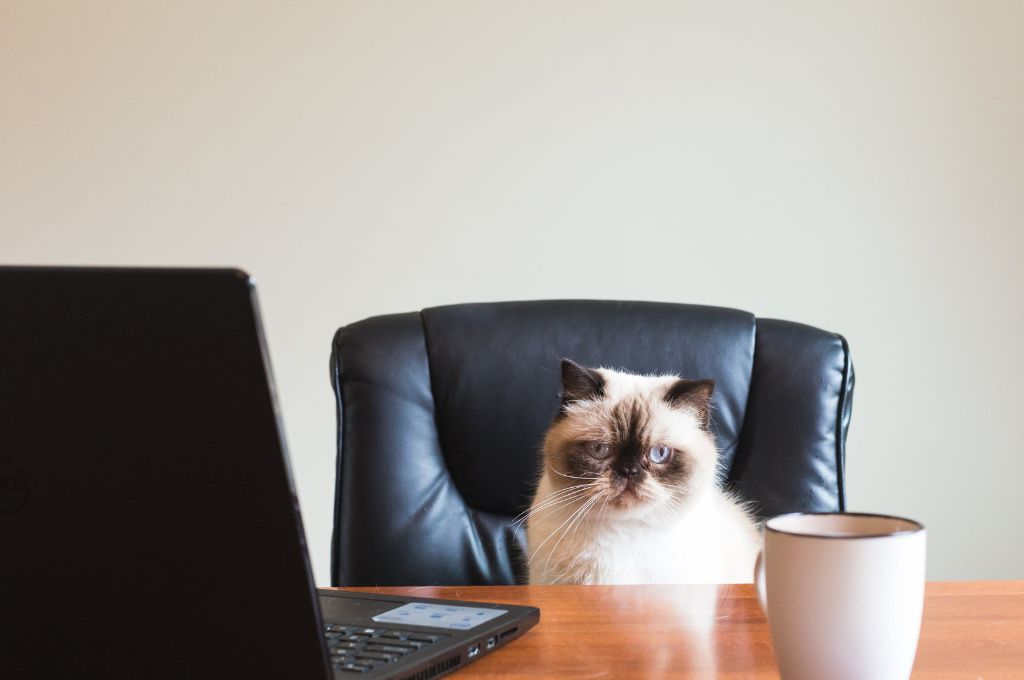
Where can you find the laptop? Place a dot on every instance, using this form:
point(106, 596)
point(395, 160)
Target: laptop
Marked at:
point(149, 526)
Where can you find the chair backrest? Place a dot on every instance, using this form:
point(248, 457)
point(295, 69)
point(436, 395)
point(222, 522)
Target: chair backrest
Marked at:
point(441, 414)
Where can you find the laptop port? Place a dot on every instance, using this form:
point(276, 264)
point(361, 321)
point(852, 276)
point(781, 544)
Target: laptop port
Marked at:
point(491, 642)
point(508, 632)
point(473, 651)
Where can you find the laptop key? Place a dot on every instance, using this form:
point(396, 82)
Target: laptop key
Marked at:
point(345, 645)
point(337, 627)
point(426, 637)
point(354, 638)
point(376, 656)
point(396, 642)
point(404, 643)
point(354, 668)
point(394, 649)
point(350, 658)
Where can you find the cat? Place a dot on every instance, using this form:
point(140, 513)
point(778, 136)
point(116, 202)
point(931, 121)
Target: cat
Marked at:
point(629, 490)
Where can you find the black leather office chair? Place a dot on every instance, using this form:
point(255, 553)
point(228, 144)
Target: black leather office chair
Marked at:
point(441, 414)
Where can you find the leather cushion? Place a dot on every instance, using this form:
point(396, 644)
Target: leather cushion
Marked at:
point(494, 374)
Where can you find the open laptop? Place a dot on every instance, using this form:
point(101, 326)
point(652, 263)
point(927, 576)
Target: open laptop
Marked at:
point(149, 526)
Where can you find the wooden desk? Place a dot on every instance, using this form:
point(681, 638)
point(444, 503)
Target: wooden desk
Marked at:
point(971, 631)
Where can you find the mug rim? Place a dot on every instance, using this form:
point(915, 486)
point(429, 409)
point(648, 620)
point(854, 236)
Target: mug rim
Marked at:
point(916, 527)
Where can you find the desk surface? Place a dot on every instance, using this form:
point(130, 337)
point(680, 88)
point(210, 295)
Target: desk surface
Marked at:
point(971, 631)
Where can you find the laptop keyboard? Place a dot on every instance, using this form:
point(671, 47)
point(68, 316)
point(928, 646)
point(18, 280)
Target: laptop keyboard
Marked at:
point(355, 649)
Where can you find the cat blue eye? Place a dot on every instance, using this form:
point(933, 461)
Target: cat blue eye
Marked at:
point(659, 454)
point(598, 450)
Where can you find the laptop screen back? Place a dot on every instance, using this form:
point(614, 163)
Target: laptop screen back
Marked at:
point(148, 527)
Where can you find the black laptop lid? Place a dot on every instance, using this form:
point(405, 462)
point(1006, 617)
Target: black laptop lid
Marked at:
point(148, 528)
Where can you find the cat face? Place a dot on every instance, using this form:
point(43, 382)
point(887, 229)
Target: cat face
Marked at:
point(640, 443)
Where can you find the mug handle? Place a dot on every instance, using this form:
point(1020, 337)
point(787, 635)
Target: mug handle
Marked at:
point(759, 582)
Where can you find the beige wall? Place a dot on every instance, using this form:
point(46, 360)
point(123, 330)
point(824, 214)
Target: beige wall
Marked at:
point(856, 166)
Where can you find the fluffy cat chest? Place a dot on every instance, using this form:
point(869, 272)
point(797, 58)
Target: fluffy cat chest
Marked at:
point(650, 556)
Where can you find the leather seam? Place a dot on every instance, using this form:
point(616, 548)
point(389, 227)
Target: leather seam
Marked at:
point(433, 397)
point(433, 411)
point(736, 443)
point(470, 512)
point(339, 406)
point(840, 435)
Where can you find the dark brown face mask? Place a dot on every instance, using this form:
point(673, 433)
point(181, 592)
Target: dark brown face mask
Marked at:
point(628, 454)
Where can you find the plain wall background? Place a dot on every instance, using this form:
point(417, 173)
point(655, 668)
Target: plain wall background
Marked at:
point(855, 166)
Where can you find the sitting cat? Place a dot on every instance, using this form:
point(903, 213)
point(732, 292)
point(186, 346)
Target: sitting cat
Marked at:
point(629, 489)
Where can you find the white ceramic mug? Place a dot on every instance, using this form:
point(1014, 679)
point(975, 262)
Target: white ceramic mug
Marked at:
point(843, 594)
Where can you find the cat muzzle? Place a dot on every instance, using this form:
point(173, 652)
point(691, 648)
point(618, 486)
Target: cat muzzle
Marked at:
point(627, 487)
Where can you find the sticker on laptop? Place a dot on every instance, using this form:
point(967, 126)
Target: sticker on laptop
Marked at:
point(439, 615)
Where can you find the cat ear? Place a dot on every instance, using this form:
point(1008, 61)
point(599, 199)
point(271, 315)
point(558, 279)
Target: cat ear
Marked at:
point(579, 383)
point(694, 395)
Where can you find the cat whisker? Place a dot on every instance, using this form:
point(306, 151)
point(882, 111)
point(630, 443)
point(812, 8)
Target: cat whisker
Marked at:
point(576, 518)
point(683, 488)
point(604, 508)
point(555, 498)
point(594, 477)
point(556, 531)
point(573, 528)
point(551, 506)
point(561, 493)
point(570, 488)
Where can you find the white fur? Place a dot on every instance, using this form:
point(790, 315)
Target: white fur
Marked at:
point(705, 536)
point(713, 541)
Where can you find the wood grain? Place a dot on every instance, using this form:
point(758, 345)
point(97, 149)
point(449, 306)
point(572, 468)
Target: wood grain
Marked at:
point(971, 631)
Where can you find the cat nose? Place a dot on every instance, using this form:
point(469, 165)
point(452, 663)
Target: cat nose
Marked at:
point(629, 470)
